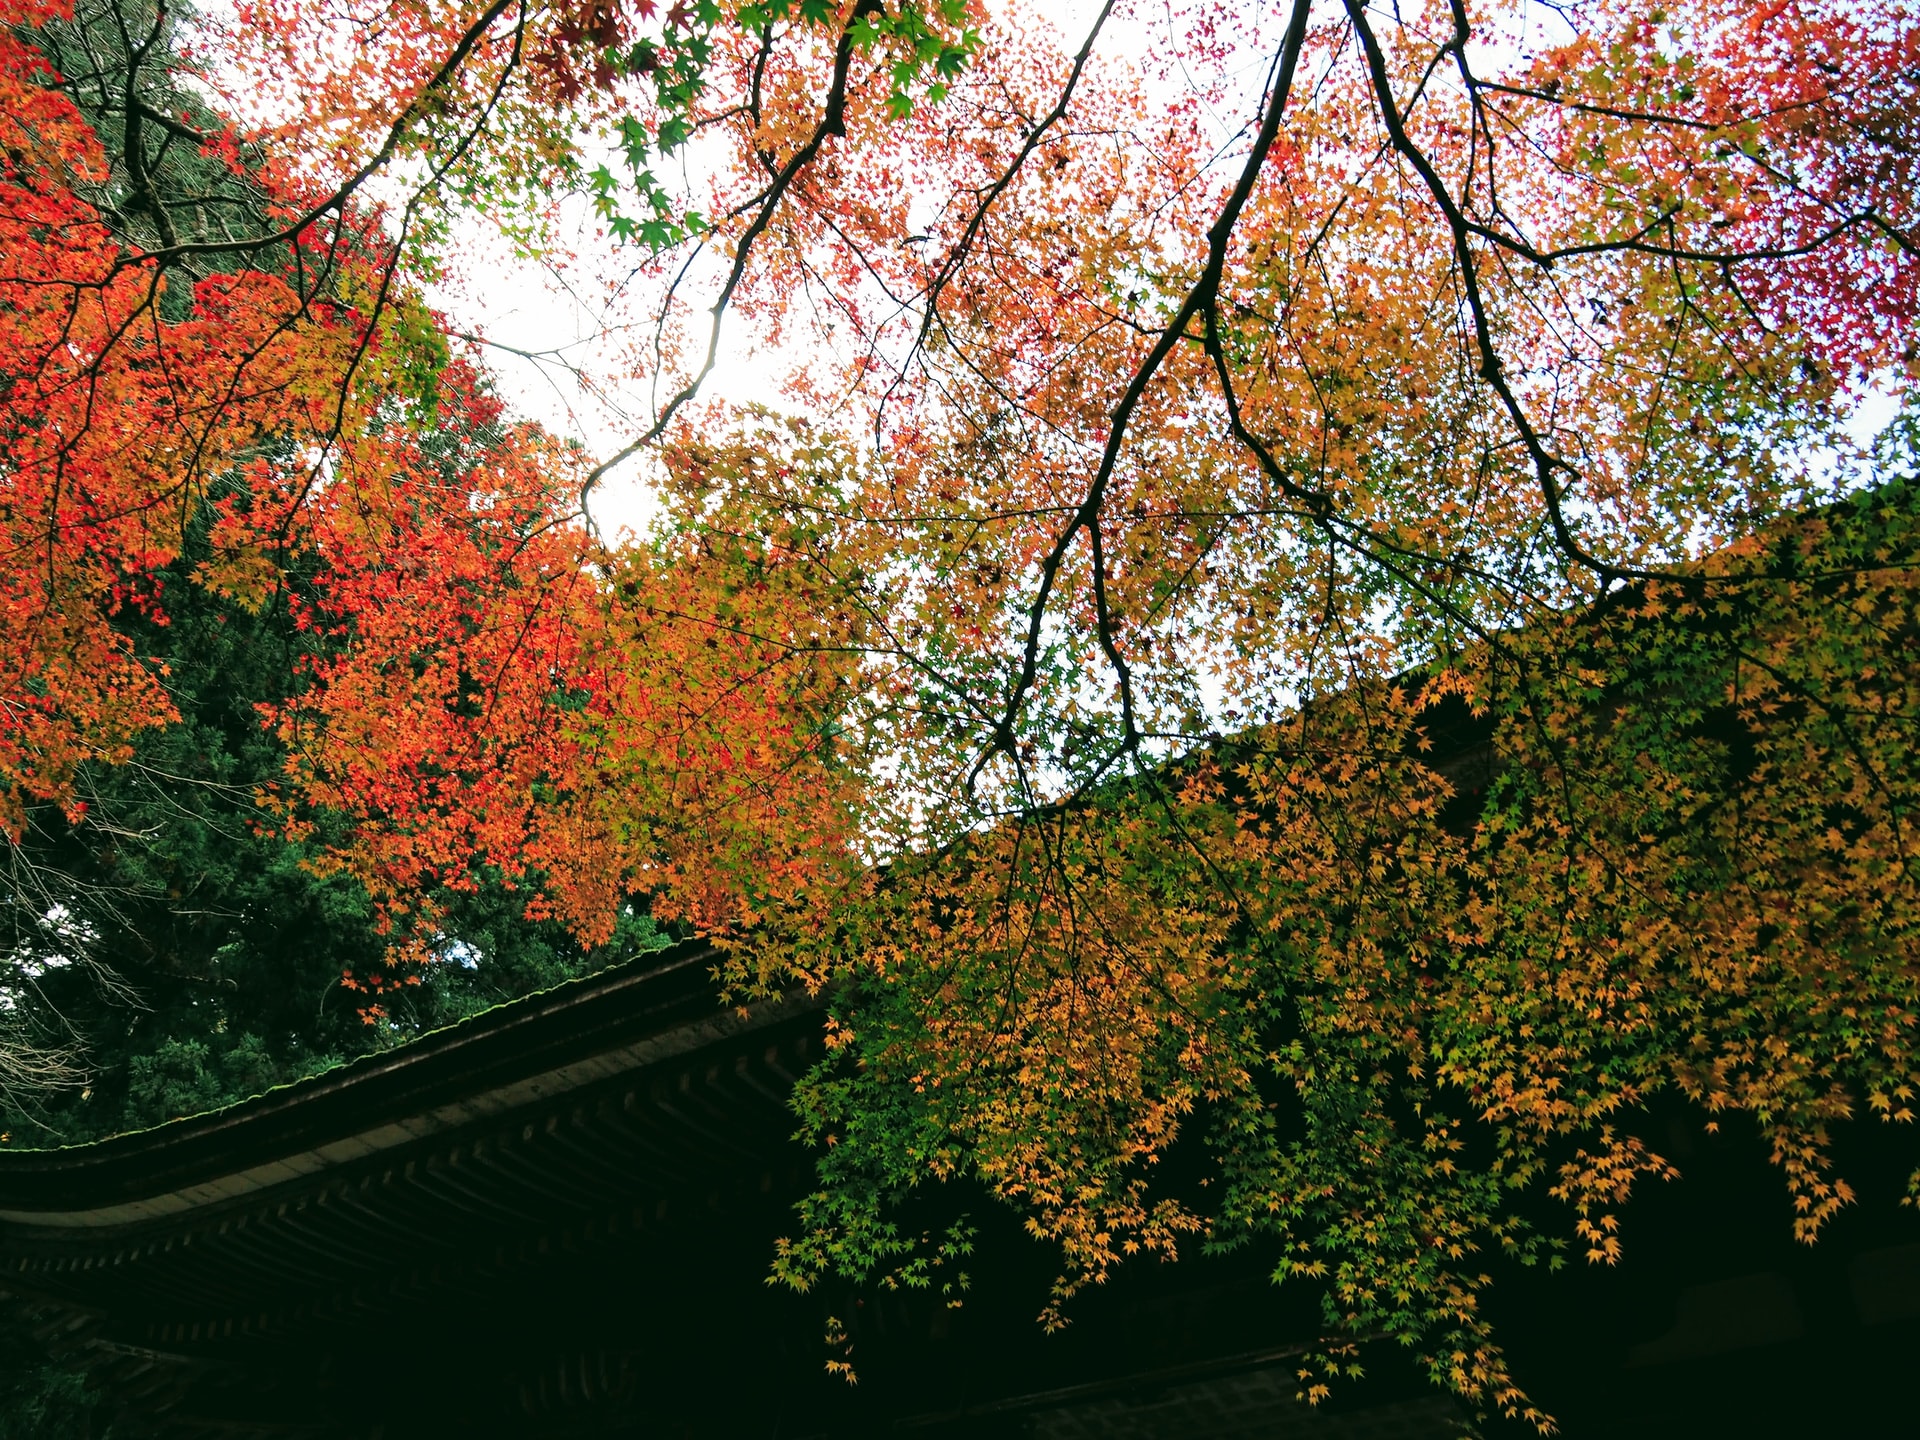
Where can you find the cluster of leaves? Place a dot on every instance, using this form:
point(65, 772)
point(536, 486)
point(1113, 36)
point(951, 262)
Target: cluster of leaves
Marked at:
point(213, 401)
point(923, 50)
point(662, 721)
point(1442, 353)
point(1513, 357)
point(1429, 947)
point(180, 949)
point(105, 399)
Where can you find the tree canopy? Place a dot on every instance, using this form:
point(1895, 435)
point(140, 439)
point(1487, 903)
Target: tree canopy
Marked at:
point(1322, 604)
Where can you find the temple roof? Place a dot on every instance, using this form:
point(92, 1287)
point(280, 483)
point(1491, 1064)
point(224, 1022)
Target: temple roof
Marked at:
point(513, 1055)
point(585, 1121)
point(556, 1219)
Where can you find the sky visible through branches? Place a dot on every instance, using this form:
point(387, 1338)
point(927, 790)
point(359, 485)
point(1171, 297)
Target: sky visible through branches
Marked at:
point(553, 324)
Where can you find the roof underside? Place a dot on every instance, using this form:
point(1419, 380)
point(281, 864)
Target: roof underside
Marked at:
point(582, 1127)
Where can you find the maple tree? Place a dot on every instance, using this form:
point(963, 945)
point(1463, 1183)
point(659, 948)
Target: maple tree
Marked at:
point(136, 375)
point(296, 408)
point(1327, 607)
point(640, 723)
point(179, 947)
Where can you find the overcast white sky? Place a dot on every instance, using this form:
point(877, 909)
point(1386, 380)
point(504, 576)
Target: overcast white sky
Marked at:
point(520, 303)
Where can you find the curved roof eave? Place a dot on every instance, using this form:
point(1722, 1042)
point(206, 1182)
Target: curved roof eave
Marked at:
point(631, 1016)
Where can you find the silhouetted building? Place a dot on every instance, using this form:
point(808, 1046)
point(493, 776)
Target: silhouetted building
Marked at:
point(557, 1220)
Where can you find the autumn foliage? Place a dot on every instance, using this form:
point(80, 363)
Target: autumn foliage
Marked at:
point(116, 417)
point(504, 695)
point(587, 725)
point(1330, 608)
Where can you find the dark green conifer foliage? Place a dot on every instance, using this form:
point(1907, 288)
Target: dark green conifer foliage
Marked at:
point(182, 950)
